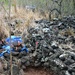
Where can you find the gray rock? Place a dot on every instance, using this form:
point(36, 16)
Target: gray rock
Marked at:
point(21, 72)
point(39, 56)
point(69, 61)
point(1, 67)
point(6, 55)
point(45, 30)
point(42, 60)
point(67, 73)
point(46, 64)
point(56, 55)
point(15, 53)
point(54, 45)
point(63, 56)
point(55, 19)
point(21, 54)
point(50, 53)
point(34, 54)
point(23, 67)
point(32, 8)
point(72, 55)
point(46, 59)
point(60, 64)
point(23, 61)
point(73, 73)
point(15, 70)
point(37, 64)
point(27, 63)
point(71, 68)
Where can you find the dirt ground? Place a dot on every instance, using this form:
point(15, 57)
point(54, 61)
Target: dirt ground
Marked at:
point(37, 71)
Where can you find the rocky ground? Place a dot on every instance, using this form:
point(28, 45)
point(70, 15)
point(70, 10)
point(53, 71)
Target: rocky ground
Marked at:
point(51, 45)
point(37, 71)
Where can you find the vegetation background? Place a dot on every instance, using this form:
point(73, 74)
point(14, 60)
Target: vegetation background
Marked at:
point(67, 6)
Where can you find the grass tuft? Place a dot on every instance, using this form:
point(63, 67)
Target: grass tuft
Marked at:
point(4, 30)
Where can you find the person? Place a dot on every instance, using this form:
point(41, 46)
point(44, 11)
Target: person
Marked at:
point(19, 46)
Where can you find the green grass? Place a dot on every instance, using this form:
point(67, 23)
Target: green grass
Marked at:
point(5, 2)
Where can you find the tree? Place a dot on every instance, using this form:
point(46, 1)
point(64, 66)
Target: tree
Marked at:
point(74, 3)
point(59, 3)
point(14, 4)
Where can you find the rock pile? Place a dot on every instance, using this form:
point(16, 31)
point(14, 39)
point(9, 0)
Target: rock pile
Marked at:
point(51, 45)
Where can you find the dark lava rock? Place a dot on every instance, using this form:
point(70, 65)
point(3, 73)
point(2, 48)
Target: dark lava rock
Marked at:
point(27, 63)
point(67, 73)
point(72, 55)
point(69, 61)
point(60, 64)
point(63, 56)
point(47, 43)
point(23, 67)
point(21, 72)
point(15, 70)
point(15, 53)
point(1, 67)
point(46, 64)
point(6, 55)
point(23, 53)
point(54, 45)
point(71, 68)
point(51, 45)
point(23, 61)
point(37, 64)
point(55, 55)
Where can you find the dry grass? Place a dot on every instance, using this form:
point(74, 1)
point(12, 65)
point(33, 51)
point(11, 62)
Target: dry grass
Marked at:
point(4, 30)
point(69, 32)
point(28, 17)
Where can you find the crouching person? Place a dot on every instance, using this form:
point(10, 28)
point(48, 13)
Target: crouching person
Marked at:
point(18, 47)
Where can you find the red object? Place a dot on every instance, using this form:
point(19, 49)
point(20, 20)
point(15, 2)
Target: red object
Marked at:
point(37, 44)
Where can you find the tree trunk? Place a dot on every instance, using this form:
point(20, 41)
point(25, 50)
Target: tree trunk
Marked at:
point(74, 3)
point(14, 3)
